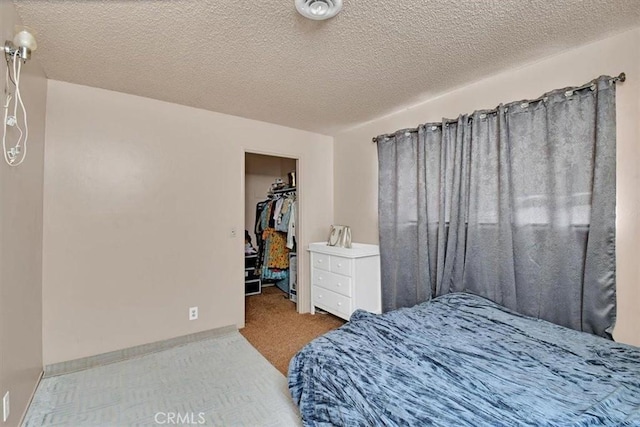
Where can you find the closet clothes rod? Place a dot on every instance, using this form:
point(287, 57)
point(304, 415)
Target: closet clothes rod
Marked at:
point(283, 190)
point(619, 78)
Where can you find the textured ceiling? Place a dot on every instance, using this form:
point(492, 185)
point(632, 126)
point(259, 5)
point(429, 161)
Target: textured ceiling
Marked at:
point(260, 59)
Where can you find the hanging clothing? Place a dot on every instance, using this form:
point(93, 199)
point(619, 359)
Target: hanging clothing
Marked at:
point(273, 274)
point(282, 223)
point(257, 229)
point(291, 229)
point(272, 228)
point(276, 252)
point(276, 211)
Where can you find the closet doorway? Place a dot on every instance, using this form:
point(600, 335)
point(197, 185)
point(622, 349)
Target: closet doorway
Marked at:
point(273, 324)
point(271, 216)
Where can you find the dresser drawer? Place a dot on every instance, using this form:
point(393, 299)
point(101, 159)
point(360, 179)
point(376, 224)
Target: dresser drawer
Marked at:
point(332, 302)
point(322, 261)
point(333, 282)
point(341, 265)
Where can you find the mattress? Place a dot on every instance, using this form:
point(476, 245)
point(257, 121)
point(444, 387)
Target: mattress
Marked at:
point(462, 360)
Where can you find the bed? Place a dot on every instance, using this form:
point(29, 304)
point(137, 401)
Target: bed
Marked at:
point(462, 360)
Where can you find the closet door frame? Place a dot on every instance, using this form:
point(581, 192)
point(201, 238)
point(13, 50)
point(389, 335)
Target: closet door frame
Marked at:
point(303, 304)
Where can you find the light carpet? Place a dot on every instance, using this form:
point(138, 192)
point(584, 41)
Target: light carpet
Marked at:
point(222, 381)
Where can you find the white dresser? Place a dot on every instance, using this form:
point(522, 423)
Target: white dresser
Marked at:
point(343, 280)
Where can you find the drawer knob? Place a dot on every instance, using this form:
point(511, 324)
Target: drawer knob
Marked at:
point(320, 296)
point(339, 265)
point(339, 304)
point(339, 284)
point(319, 261)
point(319, 277)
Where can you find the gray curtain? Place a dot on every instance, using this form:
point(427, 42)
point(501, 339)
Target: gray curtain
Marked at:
point(515, 204)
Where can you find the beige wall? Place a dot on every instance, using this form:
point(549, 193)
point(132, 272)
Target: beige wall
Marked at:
point(355, 157)
point(21, 241)
point(260, 172)
point(140, 199)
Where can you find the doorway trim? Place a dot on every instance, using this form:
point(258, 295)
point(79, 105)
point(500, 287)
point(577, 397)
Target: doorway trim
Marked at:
point(303, 287)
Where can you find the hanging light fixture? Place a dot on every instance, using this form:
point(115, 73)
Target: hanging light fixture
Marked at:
point(23, 44)
point(17, 52)
point(318, 10)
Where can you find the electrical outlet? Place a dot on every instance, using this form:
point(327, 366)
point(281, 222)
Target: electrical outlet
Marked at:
point(193, 313)
point(6, 409)
point(234, 232)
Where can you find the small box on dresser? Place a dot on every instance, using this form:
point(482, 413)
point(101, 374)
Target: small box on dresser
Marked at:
point(345, 279)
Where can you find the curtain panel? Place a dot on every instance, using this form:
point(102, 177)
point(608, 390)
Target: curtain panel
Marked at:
point(515, 204)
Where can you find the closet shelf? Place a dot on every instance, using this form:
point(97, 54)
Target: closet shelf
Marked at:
point(283, 190)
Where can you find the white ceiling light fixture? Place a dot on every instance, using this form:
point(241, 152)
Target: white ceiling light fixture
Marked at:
point(318, 10)
point(22, 45)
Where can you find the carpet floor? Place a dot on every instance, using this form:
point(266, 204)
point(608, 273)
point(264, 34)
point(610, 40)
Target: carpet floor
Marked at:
point(222, 381)
point(277, 331)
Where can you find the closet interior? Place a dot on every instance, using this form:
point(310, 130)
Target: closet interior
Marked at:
point(270, 225)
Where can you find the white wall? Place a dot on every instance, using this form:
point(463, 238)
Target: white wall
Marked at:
point(355, 158)
point(21, 239)
point(260, 172)
point(140, 198)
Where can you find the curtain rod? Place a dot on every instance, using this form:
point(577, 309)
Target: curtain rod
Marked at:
point(619, 78)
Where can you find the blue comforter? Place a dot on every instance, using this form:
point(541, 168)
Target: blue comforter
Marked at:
point(461, 360)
